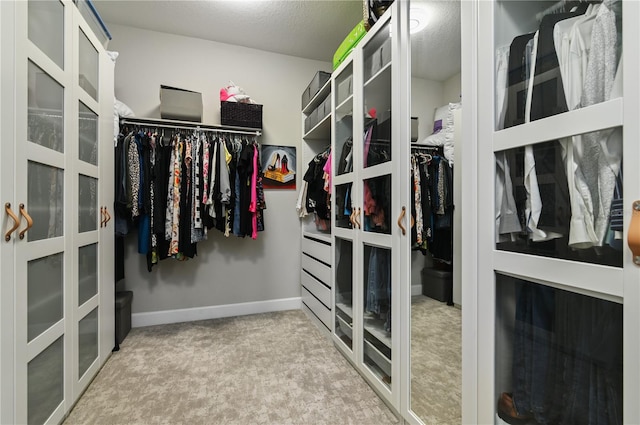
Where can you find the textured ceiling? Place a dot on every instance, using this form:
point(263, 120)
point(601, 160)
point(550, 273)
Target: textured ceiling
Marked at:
point(305, 28)
point(435, 51)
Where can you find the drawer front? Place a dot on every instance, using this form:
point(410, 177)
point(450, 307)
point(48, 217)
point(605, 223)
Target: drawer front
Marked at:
point(321, 271)
point(377, 357)
point(317, 307)
point(317, 250)
point(320, 291)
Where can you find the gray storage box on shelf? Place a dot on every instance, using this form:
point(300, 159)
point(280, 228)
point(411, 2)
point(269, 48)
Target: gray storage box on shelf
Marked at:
point(327, 106)
point(437, 284)
point(345, 89)
point(314, 87)
point(180, 104)
point(311, 120)
point(123, 314)
point(238, 114)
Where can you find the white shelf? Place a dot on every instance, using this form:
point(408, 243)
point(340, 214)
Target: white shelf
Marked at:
point(580, 121)
point(346, 309)
point(345, 327)
point(378, 358)
point(317, 235)
point(374, 327)
point(345, 106)
point(386, 71)
point(318, 98)
point(321, 131)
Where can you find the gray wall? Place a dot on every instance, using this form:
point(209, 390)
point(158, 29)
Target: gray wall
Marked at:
point(227, 270)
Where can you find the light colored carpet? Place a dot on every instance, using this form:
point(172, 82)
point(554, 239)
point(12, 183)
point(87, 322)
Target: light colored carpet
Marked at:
point(273, 368)
point(436, 361)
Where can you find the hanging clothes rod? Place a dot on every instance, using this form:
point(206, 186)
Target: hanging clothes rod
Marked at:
point(188, 125)
point(561, 5)
point(439, 149)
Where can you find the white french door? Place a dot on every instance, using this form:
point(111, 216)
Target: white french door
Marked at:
point(57, 188)
point(556, 290)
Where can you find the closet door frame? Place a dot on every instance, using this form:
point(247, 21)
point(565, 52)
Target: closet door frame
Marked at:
point(346, 234)
point(17, 52)
point(584, 278)
point(26, 251)
point(7, 252)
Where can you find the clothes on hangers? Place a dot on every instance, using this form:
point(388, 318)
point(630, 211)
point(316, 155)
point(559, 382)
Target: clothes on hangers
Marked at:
point(175, 189)
point(563, 370)
point(432, 207)
point(315, 191)
point(574, 64)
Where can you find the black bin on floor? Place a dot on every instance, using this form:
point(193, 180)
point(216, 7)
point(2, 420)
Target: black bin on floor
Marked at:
point(123, 314)
point(437, 284)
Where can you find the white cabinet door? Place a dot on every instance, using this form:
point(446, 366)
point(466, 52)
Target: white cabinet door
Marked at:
point(557, 295)
point(367, 200)
point(63, 135)
point(44, 155)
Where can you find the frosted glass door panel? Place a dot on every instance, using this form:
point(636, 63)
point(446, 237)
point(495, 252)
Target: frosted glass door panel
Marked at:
point(87, 272)
point(46, 28)
point(44, 294)
point(45, 383)
point(45, 201)
point(88, 78)
point(377, 311)
point(562, 198)
point(344, 290)
point(87, 341)
point(344, 205)
point(88, 128)
point(88, 204)
point(558, 354)
point(46, 110)
point(376, 211)
point(544, 53)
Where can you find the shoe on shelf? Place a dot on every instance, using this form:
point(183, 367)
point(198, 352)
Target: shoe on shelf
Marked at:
point(508, 413)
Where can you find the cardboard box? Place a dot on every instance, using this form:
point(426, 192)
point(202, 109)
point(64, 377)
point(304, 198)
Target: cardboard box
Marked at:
point(180, 104)
point(314, 87)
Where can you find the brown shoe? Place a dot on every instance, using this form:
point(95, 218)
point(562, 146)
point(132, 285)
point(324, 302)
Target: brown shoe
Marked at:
point(508, 413)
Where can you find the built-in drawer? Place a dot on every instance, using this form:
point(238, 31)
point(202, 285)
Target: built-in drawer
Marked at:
point(314, 267)
point(322, 312)
point(377, 357)
point(317, 288)
point(317, 249)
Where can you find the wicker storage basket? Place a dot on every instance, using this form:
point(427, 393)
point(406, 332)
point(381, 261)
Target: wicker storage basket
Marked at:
point(241, 114)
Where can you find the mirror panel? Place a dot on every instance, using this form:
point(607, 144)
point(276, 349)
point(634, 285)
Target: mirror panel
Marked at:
point(436, 317)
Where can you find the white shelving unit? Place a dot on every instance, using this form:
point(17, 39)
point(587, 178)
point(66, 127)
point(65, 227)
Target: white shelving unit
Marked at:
point(315, 273)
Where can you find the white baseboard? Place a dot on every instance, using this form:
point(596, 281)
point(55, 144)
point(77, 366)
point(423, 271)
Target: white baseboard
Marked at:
point(416, 290)
point(139, 320)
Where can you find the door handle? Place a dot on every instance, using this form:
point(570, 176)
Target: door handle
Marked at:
point(355, 219)
point(353, 212)
point(108, 216)
point(25, 214)
point(400, 218)
point(16, 221)
point(633, 235)
point(102, 217)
